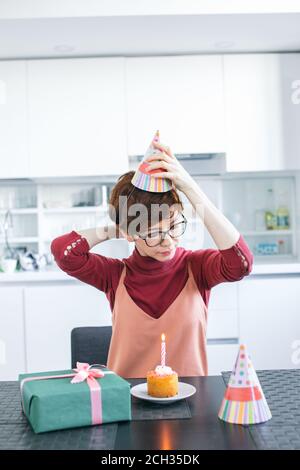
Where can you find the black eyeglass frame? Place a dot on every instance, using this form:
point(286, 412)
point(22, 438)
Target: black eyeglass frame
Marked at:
point(164, 232)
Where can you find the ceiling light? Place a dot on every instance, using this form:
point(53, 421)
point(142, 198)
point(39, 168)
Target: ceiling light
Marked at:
point(224, 44)
point(63, 48)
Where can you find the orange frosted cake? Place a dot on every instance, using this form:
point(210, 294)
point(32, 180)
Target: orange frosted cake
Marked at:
point(162, 382)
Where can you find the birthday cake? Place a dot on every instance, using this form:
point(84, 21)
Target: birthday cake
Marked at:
point(162, 382)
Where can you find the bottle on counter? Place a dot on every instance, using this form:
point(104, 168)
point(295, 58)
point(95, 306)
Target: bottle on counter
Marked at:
point(270, 216)
point(281, 247)
point(282, 218)
point(282, 212)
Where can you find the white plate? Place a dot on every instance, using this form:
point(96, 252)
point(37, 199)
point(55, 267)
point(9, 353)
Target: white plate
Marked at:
point(184, 391)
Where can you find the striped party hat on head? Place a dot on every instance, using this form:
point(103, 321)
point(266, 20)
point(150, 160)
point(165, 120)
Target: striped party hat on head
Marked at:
point(142, 178)
point(244, 401)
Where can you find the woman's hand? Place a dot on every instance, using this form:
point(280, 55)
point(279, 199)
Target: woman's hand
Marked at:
point(180, 178)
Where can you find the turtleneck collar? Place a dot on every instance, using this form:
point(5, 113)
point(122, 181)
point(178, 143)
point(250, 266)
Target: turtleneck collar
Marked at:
point(149, 264)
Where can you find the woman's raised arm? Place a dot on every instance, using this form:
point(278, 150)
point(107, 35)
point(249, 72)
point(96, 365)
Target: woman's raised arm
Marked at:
point(72, 254)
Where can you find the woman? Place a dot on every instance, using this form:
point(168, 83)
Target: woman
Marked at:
point(161, 287)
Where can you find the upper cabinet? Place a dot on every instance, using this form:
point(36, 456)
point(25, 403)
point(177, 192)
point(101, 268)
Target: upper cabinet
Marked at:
point(290, 107)
point(181, 96)
point(85, 116)
point(262, 121)
point(77, 117)
point(13, 124)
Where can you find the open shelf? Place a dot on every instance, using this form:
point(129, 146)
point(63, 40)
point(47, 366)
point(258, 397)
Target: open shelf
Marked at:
point(44, 217)
point(86, 205)
point(20, 211)
point(14, 240)
point(246, 199)
point(75, 210)
point(259, 233)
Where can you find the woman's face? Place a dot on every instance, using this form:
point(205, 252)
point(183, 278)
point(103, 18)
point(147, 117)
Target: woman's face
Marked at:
point(166, 250)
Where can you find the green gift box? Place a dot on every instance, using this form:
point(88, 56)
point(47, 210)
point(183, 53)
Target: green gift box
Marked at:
point(51, 401)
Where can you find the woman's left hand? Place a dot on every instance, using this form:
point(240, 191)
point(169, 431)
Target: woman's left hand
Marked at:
point(174, 170)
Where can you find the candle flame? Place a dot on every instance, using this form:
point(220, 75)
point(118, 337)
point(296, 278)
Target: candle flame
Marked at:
point(163, 337)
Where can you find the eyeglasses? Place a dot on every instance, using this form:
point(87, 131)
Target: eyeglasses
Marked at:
point(156, 238)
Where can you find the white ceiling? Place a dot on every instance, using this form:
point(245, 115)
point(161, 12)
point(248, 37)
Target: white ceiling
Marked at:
point(148, 35)
point(13, 9)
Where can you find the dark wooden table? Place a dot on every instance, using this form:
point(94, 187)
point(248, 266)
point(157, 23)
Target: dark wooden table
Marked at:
point(203, 430)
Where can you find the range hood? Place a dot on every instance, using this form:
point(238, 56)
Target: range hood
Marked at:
point(197, 164)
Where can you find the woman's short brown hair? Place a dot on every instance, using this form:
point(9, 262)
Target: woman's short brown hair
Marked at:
point(125, 191)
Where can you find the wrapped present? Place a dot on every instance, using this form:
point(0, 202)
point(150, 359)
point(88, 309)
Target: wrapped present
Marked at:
point(72, 398)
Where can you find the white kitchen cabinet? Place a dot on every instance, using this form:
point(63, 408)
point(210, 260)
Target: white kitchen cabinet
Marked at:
point(252, 89)
point(289, 65)
point(262, 118)
point(270, 320)
point(182, 97)
point(221, 357)
point(12, 342)
point(13, 124)
point(51, 313)
point(223, 312)
point(77, 117)
point(223, 327)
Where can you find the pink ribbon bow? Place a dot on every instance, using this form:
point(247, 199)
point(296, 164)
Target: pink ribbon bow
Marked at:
point(85, 372)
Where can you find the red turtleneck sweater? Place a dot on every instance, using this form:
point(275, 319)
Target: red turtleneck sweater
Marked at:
point(153, 285)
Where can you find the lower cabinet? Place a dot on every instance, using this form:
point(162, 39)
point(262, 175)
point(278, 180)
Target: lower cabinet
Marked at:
point(37, 320)
point(12, 345)
point(36, 323)
point(223, 312)
point(270, 320)
point(223, 328)
point(51, 313)
point(221, 357)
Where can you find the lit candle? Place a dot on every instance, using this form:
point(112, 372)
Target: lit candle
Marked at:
point(163, 350)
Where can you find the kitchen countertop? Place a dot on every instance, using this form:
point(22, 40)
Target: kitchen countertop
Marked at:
point(48, 274)
point(203, 430)
point(52, 274)
point(276, 268)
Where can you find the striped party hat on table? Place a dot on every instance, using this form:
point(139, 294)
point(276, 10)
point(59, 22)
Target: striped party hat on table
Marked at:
point(244, 401)
point(142, 178)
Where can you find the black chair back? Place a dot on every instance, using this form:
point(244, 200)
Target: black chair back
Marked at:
point(90, 344)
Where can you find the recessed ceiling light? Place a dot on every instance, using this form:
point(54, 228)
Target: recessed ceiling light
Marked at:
point(63, 48)
point(224, 44)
